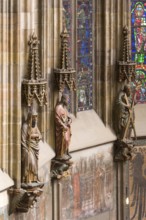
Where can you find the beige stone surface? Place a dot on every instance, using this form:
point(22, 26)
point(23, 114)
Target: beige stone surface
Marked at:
point(46, 153)
point(3, 199)
point(5, 181)
point(140, 119)
point(88, 130)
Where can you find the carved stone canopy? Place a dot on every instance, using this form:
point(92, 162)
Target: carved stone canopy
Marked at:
point(126, 65)
point(35, 87)
point(65, 75)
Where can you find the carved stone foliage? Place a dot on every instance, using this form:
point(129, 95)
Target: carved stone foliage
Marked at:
point(63, 121)
point(65, 75)
point(35, 87)
point(126, 65)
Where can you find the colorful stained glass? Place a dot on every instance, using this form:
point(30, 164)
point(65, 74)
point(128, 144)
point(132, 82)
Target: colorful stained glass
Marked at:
point(138, 45)
point(84, 48)
point(84, 54)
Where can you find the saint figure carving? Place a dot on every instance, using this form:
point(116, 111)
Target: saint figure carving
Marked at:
point(126, 113)
point(30, 137)
point(62, 129)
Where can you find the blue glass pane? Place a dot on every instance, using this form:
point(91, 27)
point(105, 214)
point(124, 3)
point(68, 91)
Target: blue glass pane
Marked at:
point(84, 63)
point(84, 54)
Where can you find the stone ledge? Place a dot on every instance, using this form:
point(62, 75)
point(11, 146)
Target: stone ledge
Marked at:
point(46, 153)
point(5, 181)
point(88, 130)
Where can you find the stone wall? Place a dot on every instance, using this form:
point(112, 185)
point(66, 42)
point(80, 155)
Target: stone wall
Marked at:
point(89, 191)
point(19, 19)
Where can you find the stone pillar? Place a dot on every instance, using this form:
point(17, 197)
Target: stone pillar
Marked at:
point(4, 198)
point(10, 102)
point(19, 19)
point(110, 17)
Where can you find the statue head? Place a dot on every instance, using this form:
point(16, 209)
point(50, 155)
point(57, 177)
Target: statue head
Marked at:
point(127, 89)
point(32, 118)
point(64, 99)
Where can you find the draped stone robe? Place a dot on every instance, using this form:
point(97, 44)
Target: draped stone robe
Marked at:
point(30, 138)
point(63, 131)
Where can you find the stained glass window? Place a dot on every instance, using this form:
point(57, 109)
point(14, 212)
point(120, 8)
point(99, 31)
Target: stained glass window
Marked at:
point(84, 54)
point(138, 33)
point(82, 21)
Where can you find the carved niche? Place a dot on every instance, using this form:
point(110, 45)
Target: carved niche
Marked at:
point(34, 88)
point(125, 104)
point(31, 188)
point(64, 77)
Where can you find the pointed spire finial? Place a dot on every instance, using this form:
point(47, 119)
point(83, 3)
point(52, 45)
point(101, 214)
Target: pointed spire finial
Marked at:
point(34, 64)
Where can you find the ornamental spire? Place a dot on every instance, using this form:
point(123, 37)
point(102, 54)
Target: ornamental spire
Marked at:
point(35, 87)
point(34, 63)
point(126, 48)
point(126, 65)
point(64, 50)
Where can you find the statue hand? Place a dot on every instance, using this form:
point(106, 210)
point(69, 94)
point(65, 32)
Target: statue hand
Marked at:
point(129, 107)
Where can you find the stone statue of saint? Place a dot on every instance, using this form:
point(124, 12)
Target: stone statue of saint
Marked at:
point(30, 137)
point(126, 113)
point(62, 130)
